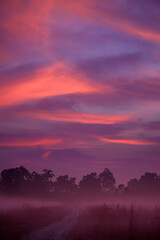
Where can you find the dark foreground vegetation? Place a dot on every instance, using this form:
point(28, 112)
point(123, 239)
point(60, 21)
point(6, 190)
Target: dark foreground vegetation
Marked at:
point(116, 223)
point(15, 223)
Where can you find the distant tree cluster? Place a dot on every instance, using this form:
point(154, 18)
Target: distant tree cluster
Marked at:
point(19, 181)
point(148, 183)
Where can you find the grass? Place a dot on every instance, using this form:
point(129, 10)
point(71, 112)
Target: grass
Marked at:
point(17, 222)
point(116, 223)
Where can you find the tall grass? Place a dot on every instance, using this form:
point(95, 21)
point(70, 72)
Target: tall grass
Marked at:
point(18, 222)
point(116, 223)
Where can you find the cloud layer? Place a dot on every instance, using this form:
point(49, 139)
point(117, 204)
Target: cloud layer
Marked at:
point(80, 86)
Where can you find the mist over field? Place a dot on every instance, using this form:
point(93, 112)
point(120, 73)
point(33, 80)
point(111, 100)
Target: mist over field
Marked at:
point(39, 206)
point(102, 219)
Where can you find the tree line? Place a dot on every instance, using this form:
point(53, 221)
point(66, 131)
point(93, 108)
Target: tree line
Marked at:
point(19, 181)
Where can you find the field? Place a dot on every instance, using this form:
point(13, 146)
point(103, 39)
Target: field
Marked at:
point(116, 223)
point(17, 222)
point(79, 221)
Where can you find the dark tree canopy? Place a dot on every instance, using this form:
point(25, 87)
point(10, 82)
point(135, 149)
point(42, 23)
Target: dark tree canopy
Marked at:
point(121, 189)
point(65, 184)
point(42, 183)
point(107, 180)
point(90, 183)
point(13, 179)
point(19, 181)
point(149, 182)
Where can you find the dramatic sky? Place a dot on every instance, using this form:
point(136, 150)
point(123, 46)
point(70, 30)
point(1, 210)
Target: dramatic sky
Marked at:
point(80, 86)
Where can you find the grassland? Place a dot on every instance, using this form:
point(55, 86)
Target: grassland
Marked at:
point(17, 222)
point(105, 222)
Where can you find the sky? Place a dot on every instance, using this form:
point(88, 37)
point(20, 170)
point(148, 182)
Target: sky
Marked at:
point(80, 86)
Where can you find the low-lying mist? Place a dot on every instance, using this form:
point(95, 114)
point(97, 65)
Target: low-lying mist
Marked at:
point(93, 219)
point(34, 206)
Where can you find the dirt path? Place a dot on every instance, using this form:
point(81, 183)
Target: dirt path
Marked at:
point(55, 231)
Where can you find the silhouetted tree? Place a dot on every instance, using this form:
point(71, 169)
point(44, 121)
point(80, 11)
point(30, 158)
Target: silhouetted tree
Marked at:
point(20, 181)
point(64, 184)
point(121, 189)
point(149, 182)
point(107, 180)
point(90, 183)
point(47, 175)
point(42, 183)
point(133, 185)
point(15, 179)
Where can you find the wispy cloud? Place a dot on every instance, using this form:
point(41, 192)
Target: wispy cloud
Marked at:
point(29, 143)
point(126, 141)
point(68, 116)
point(51, 81)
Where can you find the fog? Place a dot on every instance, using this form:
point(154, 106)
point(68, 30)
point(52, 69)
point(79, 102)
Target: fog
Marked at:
point(33, 218)
point(16, 202)
point(36, 206)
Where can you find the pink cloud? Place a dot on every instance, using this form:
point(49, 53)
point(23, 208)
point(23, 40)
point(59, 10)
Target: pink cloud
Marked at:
point(50, 81)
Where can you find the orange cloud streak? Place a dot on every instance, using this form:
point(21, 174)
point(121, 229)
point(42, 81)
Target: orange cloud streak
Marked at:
point(68, 116)
point(46, 154)
point(112, 19)
point(51, 81)
point(126, 141)
point(30, 143)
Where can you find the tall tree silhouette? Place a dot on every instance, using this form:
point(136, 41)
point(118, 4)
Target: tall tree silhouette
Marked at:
point(107, 180)
point(42, 183)
point(90, 183)
point(148, 183)
point(15, 179)
point(133, 185)
point(65, 184)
